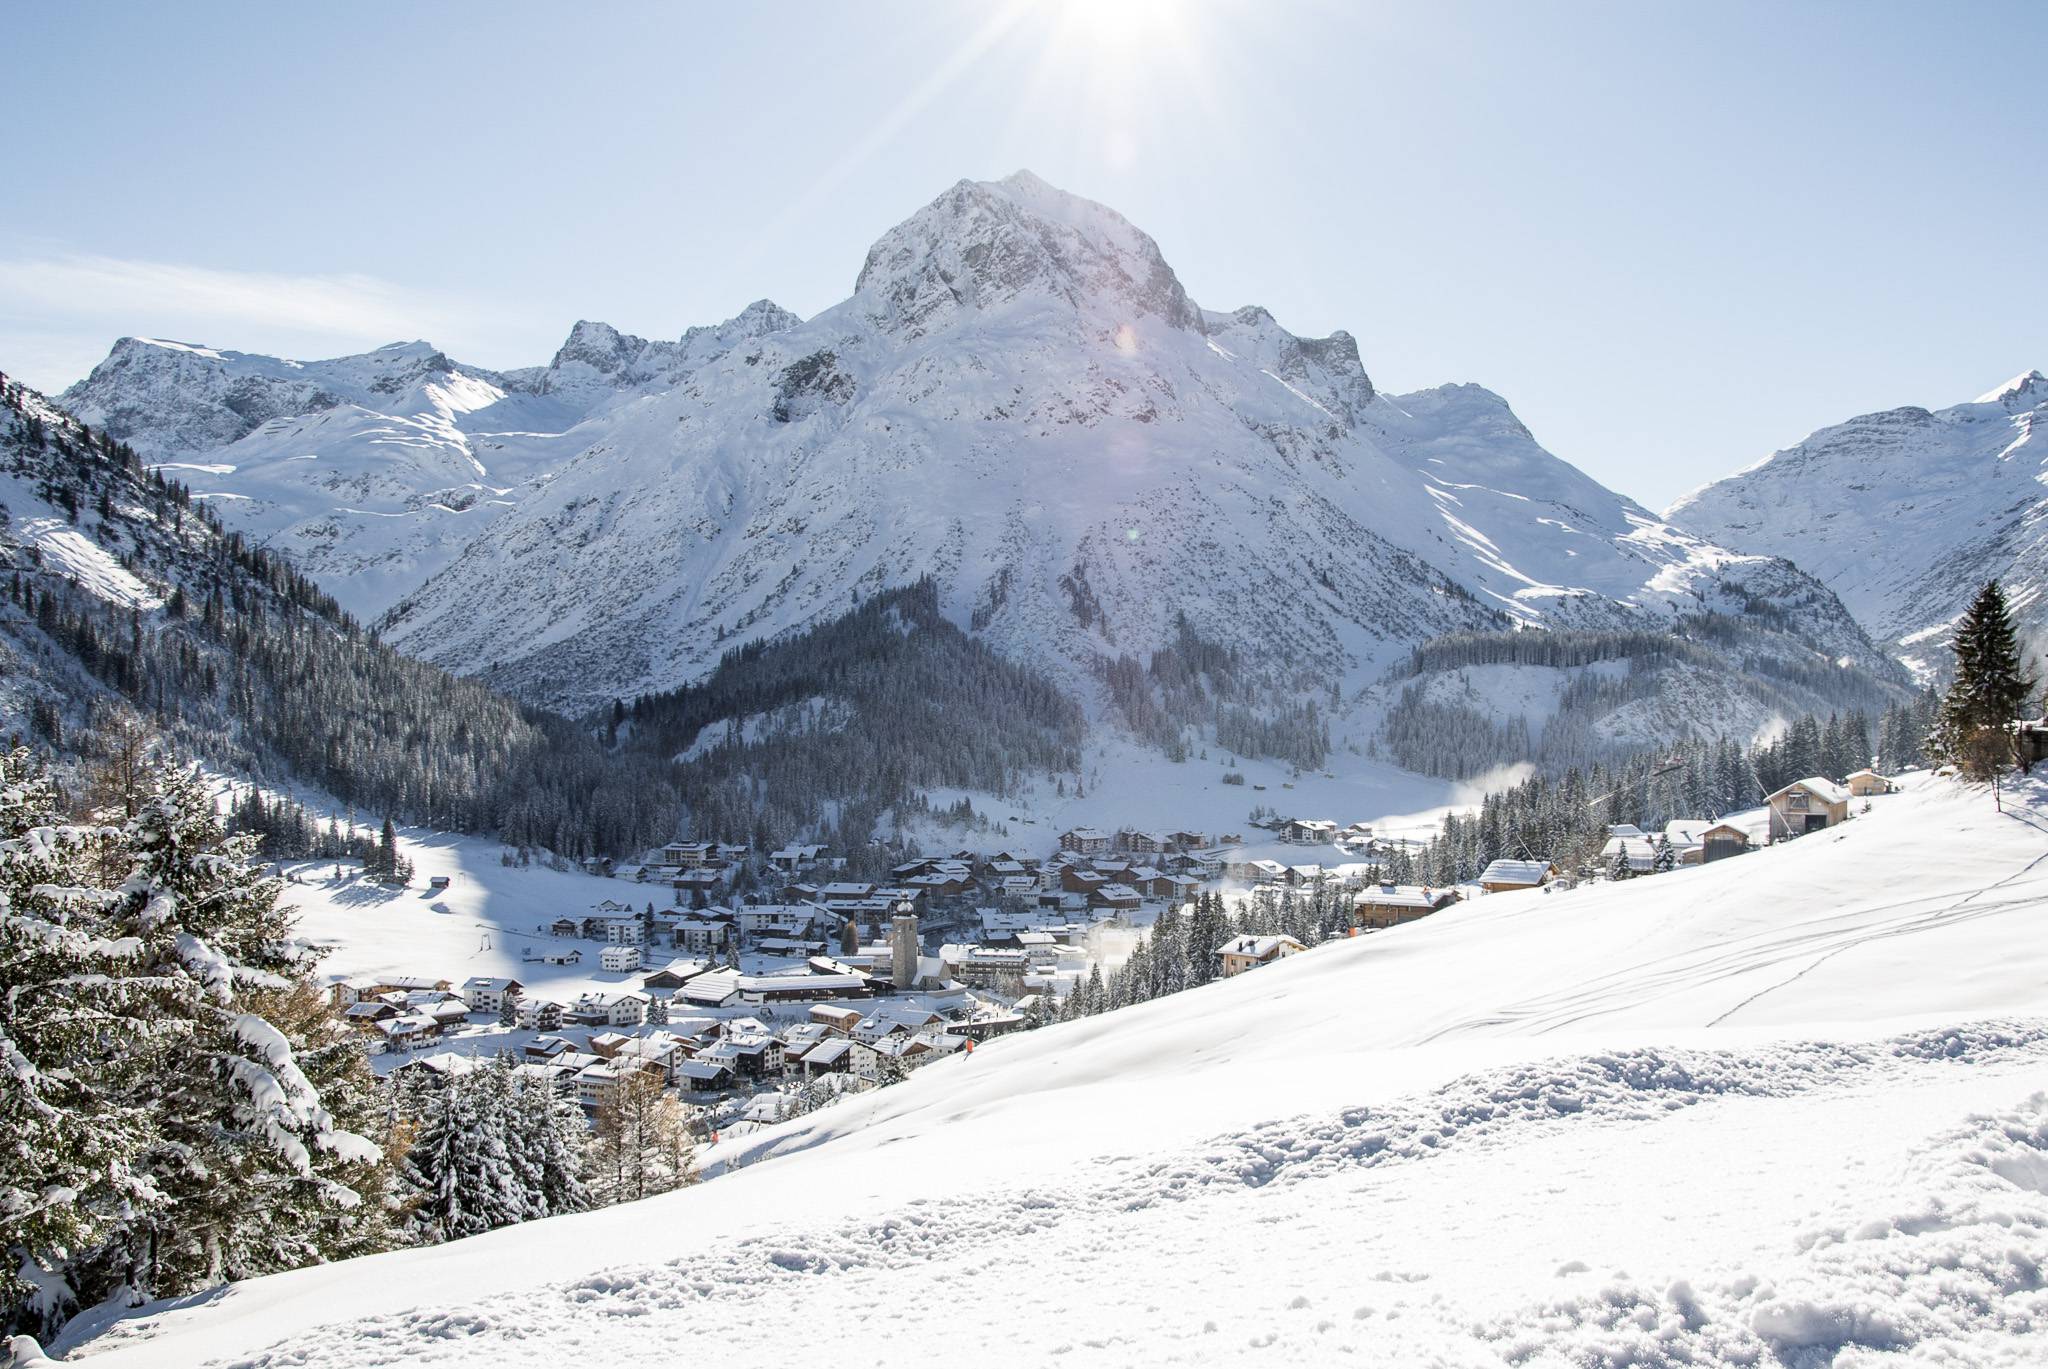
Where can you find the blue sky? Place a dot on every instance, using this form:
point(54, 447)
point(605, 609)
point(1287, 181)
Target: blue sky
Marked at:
point(1675, 237)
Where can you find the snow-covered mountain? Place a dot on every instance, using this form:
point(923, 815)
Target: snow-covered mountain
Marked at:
point(373, 471)
point(1019, 400)
point(1905, 513)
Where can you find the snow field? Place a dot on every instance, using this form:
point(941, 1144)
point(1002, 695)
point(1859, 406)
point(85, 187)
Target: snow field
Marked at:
point(1784, 1109)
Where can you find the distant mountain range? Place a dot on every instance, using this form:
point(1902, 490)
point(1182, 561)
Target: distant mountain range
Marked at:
point(1018, 402)
point(1904, 514)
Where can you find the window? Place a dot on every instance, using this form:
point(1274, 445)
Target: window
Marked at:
point(1797, 802)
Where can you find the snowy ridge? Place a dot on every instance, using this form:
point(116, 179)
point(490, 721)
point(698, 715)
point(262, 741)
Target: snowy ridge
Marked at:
point(1020, 401)
point(1904, 514)
point(373, 471)
point(1768, 1111)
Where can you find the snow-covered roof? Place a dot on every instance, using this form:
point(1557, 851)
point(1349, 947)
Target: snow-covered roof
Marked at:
point(1403, 895)
point(1258, 947)
point(1515, 872)
point(1826, 790)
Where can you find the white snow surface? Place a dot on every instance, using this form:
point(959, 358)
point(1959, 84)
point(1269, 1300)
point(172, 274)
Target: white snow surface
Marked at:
point(1785, 1109)
point(1904, 514)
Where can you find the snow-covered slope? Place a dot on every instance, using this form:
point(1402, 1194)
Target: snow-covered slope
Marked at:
point(1904, 514)
point(374, 471)
point(1784, 1109)
point(1020, 400)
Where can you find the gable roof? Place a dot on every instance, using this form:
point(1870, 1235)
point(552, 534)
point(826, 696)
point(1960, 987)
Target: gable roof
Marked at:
point(1826, 790)
point(1515, 872)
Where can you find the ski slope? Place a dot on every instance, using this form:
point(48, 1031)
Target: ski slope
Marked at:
point(1784, 1109)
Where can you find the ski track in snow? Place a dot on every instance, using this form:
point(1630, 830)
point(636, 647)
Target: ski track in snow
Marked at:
point(1952, 1263)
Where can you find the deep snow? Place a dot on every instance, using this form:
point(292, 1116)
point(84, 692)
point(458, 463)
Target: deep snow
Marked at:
point(1785, 1109)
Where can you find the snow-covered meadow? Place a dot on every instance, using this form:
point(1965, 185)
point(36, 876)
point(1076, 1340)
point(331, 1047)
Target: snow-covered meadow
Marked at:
point(1784, 1109)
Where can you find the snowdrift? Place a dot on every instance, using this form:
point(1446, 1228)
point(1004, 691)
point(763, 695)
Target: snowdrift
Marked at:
point(1784, 1109)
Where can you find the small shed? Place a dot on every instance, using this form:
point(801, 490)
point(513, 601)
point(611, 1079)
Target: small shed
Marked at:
point(1506, 876)
point(1809, 805)
point(1721, 840)
point(1866, 783)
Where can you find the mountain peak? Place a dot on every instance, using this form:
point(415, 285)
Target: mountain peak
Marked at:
point(985, 245)
point(2025, 385)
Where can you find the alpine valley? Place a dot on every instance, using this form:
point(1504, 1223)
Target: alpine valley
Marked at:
point(1207, 533)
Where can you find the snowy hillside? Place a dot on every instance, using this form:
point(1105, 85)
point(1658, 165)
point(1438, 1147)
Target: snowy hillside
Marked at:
point(1904, 514)
point(1784, 1109)
point(1019, 400)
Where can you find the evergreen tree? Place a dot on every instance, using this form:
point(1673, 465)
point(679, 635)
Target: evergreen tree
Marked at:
point(1992, 687)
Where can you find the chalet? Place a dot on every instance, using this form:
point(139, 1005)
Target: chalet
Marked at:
point(1075, 880)
point(802, 1036)
point(540, 1014)
point(1721, 840)
point(595, 1084)
point(485, 994)
point(1309, 831)
point(1085, 841)
point(616, 924)
point(673, 975)
point(566, 926)
point(1389, 905)
point(658, 1053)
point(369, 1015)
point(1625, 829)
point(626, 1009)
point(1506, 876)
point(833, 1056)
point(1147, 843)
point(789, 946)
point(1114, 898)
point(543, 1049)
point(1683, 836)
point(773, 919)
point(844, 890)
point(835, 1019)
point(1242, 953)
point(1868, 784)
point(705, 936)
point(704, 1076)
point(438, 882)
point(893, 1021)
point(1638, 850)
point(619, 959)
point(1186, 841)
point(405, 1031)
point(605, 1045)
point(794, 858)
point(1807, 805)
point(437, 1069)
point(1149, 881)
point(449, 1012)
point(687, 855)
point(984, 965)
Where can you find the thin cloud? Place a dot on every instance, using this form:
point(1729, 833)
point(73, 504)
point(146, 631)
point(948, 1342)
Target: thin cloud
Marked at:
point(66, 307)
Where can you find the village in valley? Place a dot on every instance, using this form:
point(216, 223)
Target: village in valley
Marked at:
point(758, 986)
